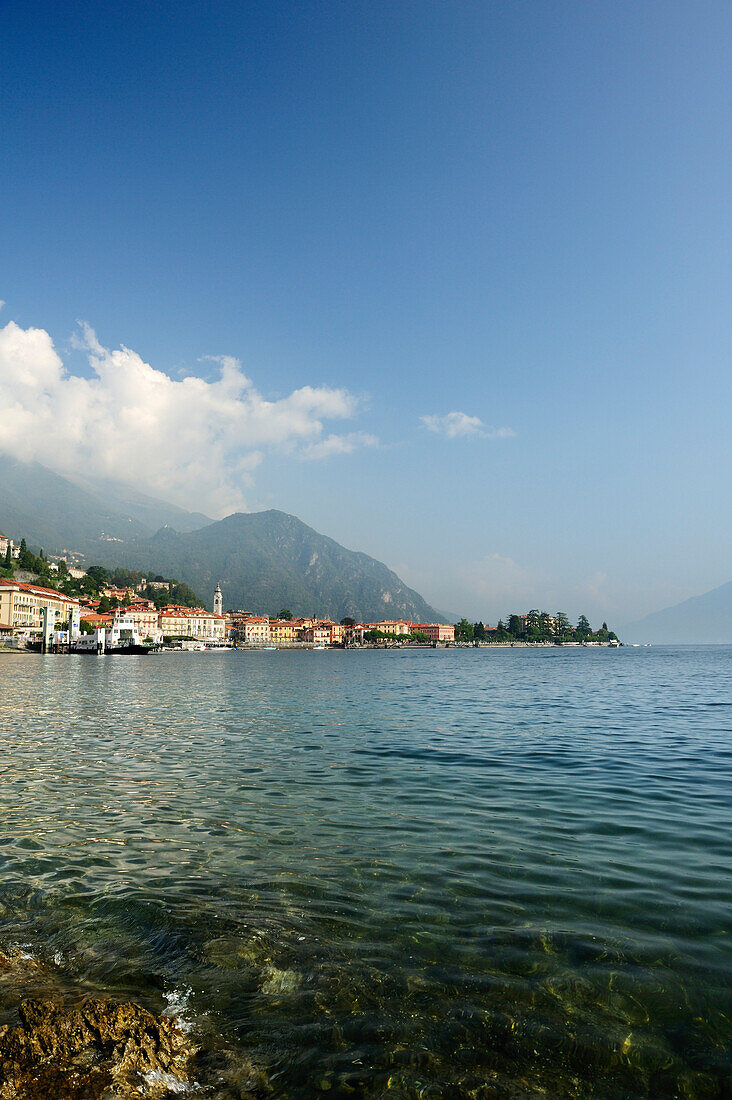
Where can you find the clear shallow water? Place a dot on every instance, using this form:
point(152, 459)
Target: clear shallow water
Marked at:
point(435, 874)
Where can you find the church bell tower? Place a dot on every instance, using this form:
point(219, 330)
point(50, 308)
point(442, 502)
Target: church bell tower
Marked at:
point(218, 601)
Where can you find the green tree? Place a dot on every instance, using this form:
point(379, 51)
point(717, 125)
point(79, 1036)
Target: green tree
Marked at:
point(479, 632)
point(8, 557)
point(563, 625)
point(348, 621)
point(26, 560)
point(515, 626)
point(463, 631)
point(105, 605)
point(285, 614)
point(584, 630)
point(98, 575)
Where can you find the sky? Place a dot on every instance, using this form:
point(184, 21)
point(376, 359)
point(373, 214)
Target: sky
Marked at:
point(449, 281)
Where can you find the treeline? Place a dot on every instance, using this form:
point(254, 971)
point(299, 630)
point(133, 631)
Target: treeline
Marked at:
point(385, 636)
point(96, 578)
point(536, 626)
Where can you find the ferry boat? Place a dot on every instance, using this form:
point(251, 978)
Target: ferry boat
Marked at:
point(120, 637)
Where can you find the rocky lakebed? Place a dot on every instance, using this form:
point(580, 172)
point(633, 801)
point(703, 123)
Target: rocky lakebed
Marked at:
point(65, 1044)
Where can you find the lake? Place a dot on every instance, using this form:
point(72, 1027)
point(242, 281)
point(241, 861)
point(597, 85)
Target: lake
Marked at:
point(480, 873)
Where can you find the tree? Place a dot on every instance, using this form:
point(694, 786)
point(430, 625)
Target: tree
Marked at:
point(463, 631)
point(583, 626)
point(348, 621)
point(63, 569)
point(285, 614)
point(563, 626)
point(515, 626)
point(8, 557)
point(98, 574)
point(479, 632)
point(105, 605)
point(26, 560)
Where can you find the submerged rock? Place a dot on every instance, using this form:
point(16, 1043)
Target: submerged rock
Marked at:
point(99, 1050)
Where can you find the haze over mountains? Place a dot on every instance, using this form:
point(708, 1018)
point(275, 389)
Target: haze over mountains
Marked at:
point(699, 620)
point(263, 560)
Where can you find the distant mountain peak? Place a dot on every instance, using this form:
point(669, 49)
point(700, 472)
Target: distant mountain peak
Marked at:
point(706, 618)
point(264, 560)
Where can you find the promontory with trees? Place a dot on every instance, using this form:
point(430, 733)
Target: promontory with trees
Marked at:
point(535, 626)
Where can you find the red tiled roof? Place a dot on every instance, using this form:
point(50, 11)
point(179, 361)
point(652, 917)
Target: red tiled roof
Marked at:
point(36, 590)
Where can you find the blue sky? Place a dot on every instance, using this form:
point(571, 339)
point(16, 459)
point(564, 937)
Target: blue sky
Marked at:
point(514, 211)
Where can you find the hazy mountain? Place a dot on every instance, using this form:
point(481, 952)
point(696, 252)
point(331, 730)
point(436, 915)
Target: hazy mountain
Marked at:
point(59, 514)
point(269, 560)
point(706, 618)
point(264, 560)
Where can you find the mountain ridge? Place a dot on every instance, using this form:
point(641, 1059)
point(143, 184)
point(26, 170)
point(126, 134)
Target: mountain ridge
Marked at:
point(264, 560)
point(705, 619)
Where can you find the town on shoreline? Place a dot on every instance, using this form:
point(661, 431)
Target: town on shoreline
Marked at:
point(63, 606)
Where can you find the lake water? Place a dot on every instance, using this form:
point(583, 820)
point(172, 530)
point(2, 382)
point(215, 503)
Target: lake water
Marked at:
point(485, 873)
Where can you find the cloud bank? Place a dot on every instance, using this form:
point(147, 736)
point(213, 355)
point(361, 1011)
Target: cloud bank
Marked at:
point(191, 441)
point(457, 425)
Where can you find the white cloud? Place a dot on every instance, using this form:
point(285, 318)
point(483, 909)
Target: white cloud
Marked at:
point(338, 445)
point(192, 441)
point(455, 425)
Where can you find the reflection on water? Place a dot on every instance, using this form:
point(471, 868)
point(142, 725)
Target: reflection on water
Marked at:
point(433, 874)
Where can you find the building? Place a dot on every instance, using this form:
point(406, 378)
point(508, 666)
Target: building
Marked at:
point(21, 606)
point(400, 627)
point(119, 593)
point(218, 601)
point(436, 632)
point(6, 542)
point(146, 618)
point(317, 635)
point(254, 630)
point(192, 622)
point(335, 630)
point(282, 632)
point(353, 633)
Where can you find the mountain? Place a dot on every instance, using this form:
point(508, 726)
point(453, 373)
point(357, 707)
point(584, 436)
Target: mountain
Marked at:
point(702, 619)
point(63, 515)
point(265, 561)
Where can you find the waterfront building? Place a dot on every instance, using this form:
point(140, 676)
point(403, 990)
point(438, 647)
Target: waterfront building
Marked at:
point(335, 630)
point(192, 622)
point(400, 627)
point(353, 633)
point(281, 631)
point(146, 618)
point(317, 635)
point(254, 630)
point(436, 632)
point(22, 605)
